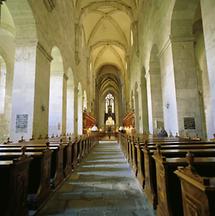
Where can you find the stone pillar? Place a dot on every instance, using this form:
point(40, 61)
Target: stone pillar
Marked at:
point(208, 17)
point(41, 100)
point(156, 99)
point(23, 90)
point(117, 111)
point(168, 89)
point(126, 86)
point(56, 99)
point(75, 111)
point(77, 42)
point(144, 103)
point(80, 113)
point(134, 28)
point(149, 103)
point(136, 110)
point(70, 107)
point(187, 97)
point(64, 107)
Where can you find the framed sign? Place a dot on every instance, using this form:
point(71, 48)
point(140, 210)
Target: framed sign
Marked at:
point(189, 123)
point(22, 123)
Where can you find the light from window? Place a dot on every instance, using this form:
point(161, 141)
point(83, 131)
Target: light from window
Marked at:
point(2, 84)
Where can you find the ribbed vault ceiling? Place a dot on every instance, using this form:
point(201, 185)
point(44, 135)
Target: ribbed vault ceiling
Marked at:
point(106, 26)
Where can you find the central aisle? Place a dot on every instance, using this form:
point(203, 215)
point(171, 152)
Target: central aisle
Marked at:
point(102, 185)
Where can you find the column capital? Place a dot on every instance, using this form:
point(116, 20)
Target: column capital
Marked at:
point(181, 38)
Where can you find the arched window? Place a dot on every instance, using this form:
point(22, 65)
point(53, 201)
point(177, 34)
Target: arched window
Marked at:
point(2, 84)
point(109, 103)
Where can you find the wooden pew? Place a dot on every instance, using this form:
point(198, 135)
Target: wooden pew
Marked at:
point(61, 154)
point(140, 173)
point(39, 177)
point(135, 155)
point(198, 191)
point(132, 149)
point(67, 153)
point(57, 171)
point(39, 174)
point(14, 185)
point(168, 185)
point(150, 185)
point(139, 167)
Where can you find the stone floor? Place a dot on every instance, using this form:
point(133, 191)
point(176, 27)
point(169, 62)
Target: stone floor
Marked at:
point(102, 185)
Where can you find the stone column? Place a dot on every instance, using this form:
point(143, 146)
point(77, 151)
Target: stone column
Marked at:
point(208, 17)
point(136, 109)
point(156, 92)
point(168, 89)
point(126, 89)
point(77, 42)
point(75, 111)
point(64, 107)
point(149, 102)
point(23, 90)
point(144, 103)
point(70, 107)
point(135, 32)
point(187, 97)
point(41, 99)
point(80, 113)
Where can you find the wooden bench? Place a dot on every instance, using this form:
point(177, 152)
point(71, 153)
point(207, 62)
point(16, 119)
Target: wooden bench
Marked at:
point(14, 185)
point(39, 177)
point(39, 174)
point(168, 185)
point(150, 185)
point(51, 162)
point(134, 154)
point(198, 192)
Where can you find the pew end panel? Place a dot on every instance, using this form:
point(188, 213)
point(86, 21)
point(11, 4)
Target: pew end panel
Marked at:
point(39, 176)
point(198, 192)
point(14, 185)
point(150, 186)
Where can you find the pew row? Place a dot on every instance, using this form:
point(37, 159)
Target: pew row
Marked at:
point(139, 154)
point(168, 185)
point(51, 162)
point(13, 186)
point(198, 192)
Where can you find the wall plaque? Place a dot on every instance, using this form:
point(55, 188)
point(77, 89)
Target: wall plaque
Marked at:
point(189, 123)
point(22, 123)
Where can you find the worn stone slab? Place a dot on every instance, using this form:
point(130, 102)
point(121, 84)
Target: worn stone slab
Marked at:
point(102, 185)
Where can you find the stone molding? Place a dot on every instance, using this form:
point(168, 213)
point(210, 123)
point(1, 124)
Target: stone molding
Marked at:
point(118, 5)
point(44, 52)
point(181, 39)
point(174, 39)
point(65, 76)
point(50, 4)
point(164, 47)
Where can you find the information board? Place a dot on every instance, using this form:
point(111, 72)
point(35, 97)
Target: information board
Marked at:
point(189, 123)
point(22, 123)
